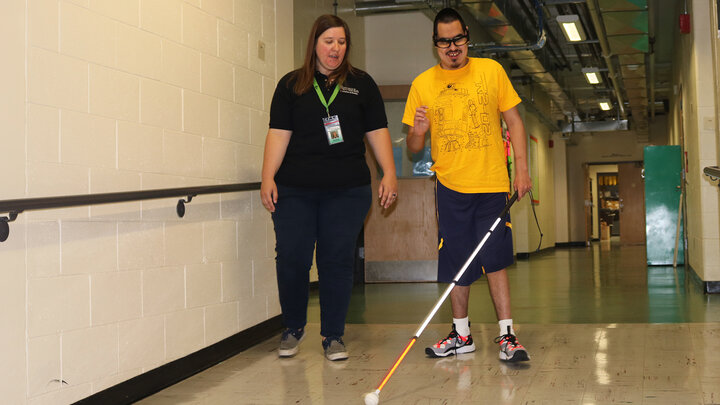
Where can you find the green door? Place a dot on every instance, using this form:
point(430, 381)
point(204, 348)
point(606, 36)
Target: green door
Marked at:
point(663, 177)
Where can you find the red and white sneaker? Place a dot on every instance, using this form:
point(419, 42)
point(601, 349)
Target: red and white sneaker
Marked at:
point(510, 349)
point(452, 344)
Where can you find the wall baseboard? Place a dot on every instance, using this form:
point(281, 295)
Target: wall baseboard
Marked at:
point(526, 255)
point(709, 287)
point(712, 287)
point(570, 244)
point(155, 380)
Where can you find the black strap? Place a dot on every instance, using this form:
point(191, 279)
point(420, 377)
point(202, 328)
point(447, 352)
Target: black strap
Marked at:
point(532, 204)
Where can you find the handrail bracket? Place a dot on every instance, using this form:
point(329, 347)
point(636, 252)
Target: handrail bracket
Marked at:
point(181, 205)
point(713, 172)
point(5, 227)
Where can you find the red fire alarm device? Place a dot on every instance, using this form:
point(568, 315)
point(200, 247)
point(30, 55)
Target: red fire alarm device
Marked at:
point(685, 23)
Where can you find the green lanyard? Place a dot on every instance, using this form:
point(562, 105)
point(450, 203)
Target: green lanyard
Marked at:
point(322, 98)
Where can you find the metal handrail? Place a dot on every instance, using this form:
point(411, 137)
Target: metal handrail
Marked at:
point(14, 207)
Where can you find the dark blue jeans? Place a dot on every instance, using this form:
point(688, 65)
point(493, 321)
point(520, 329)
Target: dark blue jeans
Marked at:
point(327, 222)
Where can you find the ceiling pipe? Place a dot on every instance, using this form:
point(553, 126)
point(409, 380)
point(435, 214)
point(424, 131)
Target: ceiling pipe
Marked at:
point(652, 81)
point(586, 42)
point(551, 37)
point(585, 19)
point(600, 29)
point(652, 13)
point(594, 48)
point(557, 2)
point(595, 126)
point(510, 48)
point(376, 7)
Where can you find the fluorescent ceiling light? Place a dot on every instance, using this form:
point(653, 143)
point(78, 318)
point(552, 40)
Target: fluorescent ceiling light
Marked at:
point(605, 105)
point(571, 27)
point(592, 75)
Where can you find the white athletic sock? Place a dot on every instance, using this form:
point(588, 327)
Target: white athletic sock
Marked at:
point(504, 323)
point(462, 326)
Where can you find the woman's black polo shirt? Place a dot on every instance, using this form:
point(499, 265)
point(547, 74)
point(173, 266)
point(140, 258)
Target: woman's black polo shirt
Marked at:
point(310, 161)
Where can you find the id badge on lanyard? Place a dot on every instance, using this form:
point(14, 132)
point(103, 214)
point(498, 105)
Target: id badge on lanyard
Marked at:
point(332, 129)
point(331, 123)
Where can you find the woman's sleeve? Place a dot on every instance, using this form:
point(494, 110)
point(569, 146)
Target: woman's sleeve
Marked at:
point(281, 107)
point(375, 117)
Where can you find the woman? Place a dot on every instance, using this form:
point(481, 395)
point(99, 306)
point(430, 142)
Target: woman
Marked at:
point(316, 183)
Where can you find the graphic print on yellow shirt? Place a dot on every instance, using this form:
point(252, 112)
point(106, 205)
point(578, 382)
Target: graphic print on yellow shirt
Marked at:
point(464, 113)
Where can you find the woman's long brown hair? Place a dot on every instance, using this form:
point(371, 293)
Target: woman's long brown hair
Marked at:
point(305, 75)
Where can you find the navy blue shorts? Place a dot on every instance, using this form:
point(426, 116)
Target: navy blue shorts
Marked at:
point(463, 220)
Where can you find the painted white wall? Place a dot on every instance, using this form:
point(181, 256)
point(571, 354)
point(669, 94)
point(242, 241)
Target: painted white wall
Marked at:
point(526, 234)
point(716, 73)
point(696, 119)
point(398, 46)
point(562, 225)
point(13, 281)
point(102, 96)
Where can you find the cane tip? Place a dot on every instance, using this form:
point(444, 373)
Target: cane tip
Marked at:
point(371, 398)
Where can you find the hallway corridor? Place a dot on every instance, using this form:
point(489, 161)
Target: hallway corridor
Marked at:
point(600, 326)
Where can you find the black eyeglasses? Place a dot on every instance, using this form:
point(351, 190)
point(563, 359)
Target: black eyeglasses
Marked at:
point(458, 40)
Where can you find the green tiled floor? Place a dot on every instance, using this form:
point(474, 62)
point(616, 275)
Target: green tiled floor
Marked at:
point(605, 283)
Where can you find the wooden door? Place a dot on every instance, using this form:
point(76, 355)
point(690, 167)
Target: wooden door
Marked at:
point(631, 191)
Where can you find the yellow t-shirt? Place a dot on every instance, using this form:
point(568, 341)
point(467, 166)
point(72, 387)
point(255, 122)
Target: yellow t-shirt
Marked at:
point(464, 112)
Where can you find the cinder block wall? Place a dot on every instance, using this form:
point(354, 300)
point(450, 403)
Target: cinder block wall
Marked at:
point(692, 116)
point(103, 96)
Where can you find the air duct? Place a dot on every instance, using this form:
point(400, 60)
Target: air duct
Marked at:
point(595, 126)
point(511, 48)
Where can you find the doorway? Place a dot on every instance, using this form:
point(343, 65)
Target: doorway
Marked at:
point(616, 192)
point(600, 179)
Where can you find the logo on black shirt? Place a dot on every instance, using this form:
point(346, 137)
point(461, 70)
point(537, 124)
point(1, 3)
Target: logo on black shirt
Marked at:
point(349, 90)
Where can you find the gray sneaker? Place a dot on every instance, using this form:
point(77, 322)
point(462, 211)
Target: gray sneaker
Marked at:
point(334, 348)
point(510, 349)
point(290, 341)
point(453, 344)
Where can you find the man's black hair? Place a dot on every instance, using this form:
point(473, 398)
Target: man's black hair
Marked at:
point(447, 15)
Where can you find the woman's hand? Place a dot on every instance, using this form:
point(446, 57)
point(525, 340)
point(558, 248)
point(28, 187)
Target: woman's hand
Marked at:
point(269, 194)
point(387, 192)
point(379, 141)
point(276, 143)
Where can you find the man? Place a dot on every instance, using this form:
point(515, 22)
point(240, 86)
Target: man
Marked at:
point(460, 101)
